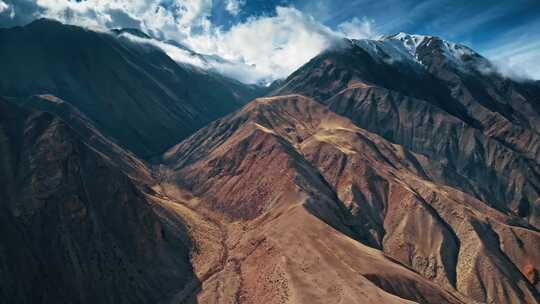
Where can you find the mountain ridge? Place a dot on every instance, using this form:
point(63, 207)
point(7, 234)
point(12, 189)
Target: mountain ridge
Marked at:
point(75, 227)
point(100, 73)
point(501, 110)
point(365, 178)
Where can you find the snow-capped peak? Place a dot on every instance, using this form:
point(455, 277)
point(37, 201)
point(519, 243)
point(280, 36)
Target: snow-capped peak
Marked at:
point(456, 52)
point(405, 48)
point(410, 42)
point(397, 48)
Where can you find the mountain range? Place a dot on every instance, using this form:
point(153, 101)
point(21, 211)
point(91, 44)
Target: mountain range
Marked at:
point(404, 169)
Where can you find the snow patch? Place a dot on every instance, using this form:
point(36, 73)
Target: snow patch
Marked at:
point(404, 48)
point(388, 51)
point(410, 42)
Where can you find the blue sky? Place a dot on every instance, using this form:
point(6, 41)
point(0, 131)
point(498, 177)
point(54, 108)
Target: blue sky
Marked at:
point(505, 31)
point(488, 26)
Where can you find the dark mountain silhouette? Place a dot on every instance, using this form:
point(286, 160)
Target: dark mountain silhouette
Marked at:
point(75, 228)
point(133, 92)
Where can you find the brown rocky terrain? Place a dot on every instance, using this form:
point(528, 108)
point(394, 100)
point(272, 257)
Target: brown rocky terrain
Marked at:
point(481, 124)
point(309, 195)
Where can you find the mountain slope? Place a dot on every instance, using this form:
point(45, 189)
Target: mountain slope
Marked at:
point(441, 100)
point(249, 168)
point(74, 227)
point(116, 82)
point(89, 134)
point(298, 180)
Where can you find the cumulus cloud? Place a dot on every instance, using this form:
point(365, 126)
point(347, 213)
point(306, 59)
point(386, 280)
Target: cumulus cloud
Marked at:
point(273, 45)
point(174, 19)
point(517, 56)
point(520, 67)
point(260, 49)
point(237, 70)
point(176, 53)
point(358, 29)
point(234, 6)
point(3, 6)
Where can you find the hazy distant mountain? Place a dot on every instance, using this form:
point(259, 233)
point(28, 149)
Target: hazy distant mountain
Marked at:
point(134, 92)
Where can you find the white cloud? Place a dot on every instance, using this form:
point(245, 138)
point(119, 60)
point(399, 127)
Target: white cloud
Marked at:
point(524, 63)
point(177, 20)
point(240, 71)
point(517, 54)
point(358, 29)
point(234, 6)
point(3, 6)
point(6, 8)
point(236, 70)
point(278, 45)
point(274, 45)
point(262, 48)
point(176, 53)
point(193, 13)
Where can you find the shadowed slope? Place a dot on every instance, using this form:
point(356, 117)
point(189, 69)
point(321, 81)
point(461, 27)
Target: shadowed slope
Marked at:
point(74, 227)
point(134, 92)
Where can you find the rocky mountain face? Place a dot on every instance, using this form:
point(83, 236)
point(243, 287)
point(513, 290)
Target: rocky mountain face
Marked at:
point(441, 100)
point(116, 82)
point(75, 228)
point(412, 148)
point(330, 204)
point(398, 170)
